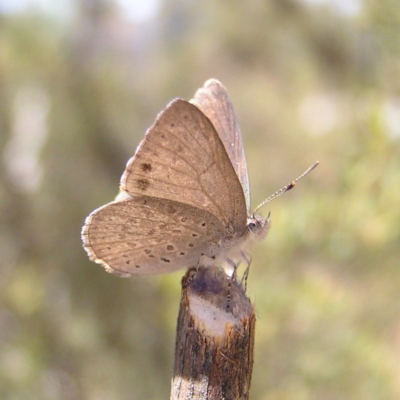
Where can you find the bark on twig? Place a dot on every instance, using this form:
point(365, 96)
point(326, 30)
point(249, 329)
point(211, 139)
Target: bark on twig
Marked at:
point(215, 338)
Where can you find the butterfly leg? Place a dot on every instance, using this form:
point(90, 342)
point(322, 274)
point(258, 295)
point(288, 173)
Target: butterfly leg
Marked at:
point(247, 259)
point(234, 267)
point(232, 277)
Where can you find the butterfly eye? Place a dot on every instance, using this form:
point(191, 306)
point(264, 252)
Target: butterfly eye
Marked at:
point(253, 226)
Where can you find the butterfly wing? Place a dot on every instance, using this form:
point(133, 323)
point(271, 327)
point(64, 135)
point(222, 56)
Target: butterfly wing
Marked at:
point(145, 235)
point(183, 159)
point(213, 100)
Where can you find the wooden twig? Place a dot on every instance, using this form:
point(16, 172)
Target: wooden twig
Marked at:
point(214, 340)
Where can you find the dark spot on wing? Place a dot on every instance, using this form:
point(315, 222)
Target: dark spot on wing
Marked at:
point(147, 251)
point(191, 244)
point(170, 247)
point(183, 219)
point(165, 260)
point(146, 167)
point(143, 184)
point(195, 235)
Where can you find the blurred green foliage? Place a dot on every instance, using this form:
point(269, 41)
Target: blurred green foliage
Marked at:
point(309, 80)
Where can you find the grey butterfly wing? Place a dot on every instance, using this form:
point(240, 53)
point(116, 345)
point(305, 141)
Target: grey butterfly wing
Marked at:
point(213, 100)
point(183, 159)
point(145, 236)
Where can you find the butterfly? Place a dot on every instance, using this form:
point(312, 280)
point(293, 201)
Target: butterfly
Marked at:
point(184, 197)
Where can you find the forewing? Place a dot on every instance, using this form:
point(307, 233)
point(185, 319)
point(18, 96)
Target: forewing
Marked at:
point(183, 159)
point(147, 236)
point(213, 100)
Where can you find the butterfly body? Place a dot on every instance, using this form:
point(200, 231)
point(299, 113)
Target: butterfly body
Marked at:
point(232, 251)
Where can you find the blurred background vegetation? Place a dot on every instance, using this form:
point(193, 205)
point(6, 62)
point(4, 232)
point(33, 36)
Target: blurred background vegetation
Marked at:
point(80, 81)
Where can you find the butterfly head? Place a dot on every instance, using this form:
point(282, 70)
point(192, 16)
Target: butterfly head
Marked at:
point(258, 226)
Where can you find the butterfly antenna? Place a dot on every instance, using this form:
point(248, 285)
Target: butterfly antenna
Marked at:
point(291, 185)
